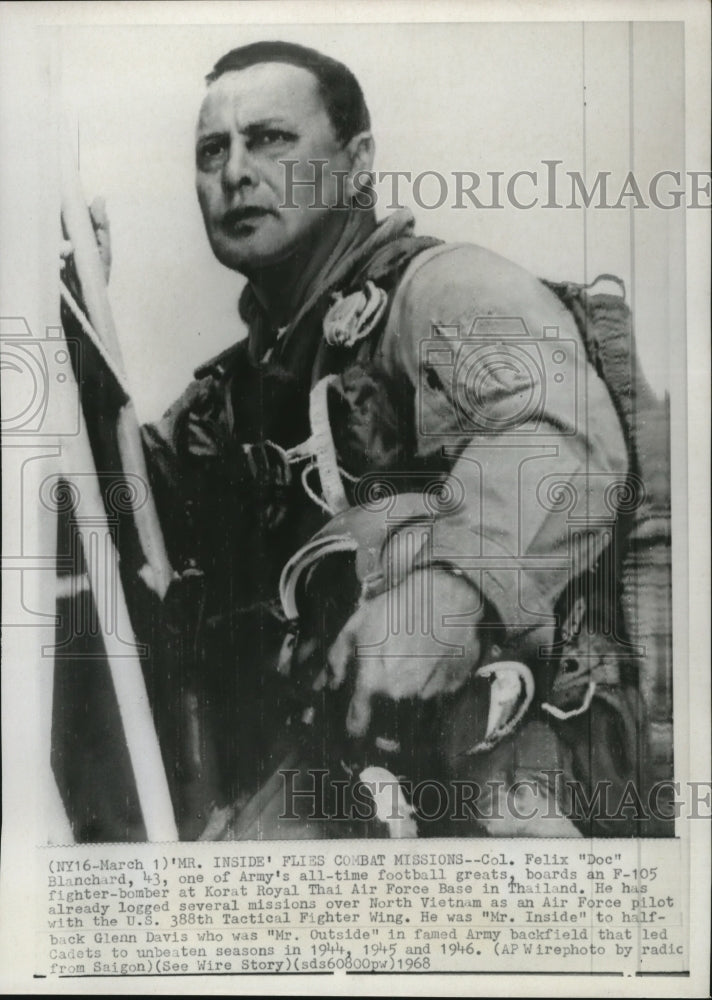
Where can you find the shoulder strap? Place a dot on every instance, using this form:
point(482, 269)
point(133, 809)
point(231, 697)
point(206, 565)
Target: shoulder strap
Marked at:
point(385, 269)
point(606, 326)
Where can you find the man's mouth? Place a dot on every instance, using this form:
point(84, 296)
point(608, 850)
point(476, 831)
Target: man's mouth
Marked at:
point(238, 221)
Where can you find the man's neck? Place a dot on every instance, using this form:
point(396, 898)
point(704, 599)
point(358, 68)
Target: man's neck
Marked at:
point(281, 287)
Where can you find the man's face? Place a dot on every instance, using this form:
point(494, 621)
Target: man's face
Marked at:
point(249, 121)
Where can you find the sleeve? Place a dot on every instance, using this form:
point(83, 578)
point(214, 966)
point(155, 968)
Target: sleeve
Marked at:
point(172, 469)
point(506, 403)
point(217, 478)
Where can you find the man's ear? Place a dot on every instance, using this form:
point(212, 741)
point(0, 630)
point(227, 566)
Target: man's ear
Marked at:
point(361, 150)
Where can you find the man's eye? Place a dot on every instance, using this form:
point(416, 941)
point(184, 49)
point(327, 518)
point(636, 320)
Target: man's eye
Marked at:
point(211, 152)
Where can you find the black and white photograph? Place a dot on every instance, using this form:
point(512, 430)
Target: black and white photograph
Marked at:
point(349, 447)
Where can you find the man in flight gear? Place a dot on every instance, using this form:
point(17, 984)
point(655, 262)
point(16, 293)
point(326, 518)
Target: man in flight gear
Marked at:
point(433, 403)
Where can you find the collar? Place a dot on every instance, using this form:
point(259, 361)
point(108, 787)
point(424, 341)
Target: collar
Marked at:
point(359, 241)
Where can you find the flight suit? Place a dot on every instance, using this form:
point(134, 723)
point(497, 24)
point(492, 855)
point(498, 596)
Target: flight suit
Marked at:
point(472, 391)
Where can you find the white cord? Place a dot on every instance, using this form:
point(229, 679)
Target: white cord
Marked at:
point(310, 492)
point(559, 713)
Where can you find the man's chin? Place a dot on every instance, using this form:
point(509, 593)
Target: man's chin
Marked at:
point(250, 254)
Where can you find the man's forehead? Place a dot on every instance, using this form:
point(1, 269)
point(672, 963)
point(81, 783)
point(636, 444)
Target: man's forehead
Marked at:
point(262, 91)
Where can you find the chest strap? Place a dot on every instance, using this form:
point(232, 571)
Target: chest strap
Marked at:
point(319, 452)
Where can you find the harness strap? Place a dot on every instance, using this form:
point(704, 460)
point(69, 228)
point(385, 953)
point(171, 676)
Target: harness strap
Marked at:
point(323, 446)
point(320, 451)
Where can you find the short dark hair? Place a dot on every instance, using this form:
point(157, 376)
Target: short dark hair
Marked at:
point(339, 88)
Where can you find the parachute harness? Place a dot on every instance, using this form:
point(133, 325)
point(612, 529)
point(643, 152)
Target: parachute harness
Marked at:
point(319, 453)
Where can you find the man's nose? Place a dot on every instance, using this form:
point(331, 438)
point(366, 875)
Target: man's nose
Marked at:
point(239, 170)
